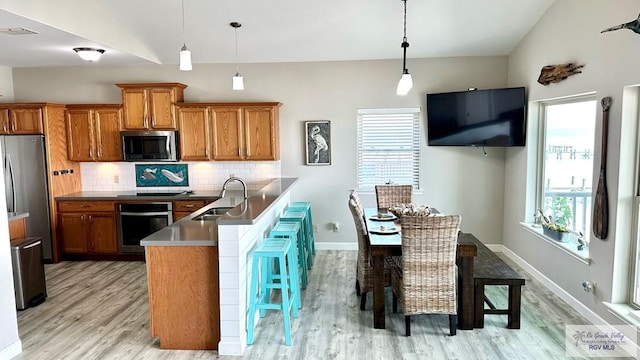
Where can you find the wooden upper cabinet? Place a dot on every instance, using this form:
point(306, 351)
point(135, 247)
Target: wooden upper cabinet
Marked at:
point(261, 133)
point(150, 106)
point(21, 120)
point(4, 121)
point(193, 128)
point(93, 132)
point(227, 133)
point(79, 135)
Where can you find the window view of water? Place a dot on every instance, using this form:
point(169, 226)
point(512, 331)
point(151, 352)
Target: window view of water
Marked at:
point(568, 163)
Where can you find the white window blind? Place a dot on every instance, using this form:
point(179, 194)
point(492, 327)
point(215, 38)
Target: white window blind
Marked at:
point(388, 147)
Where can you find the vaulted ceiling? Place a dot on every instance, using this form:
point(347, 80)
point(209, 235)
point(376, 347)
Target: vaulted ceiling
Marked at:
point(151, 31)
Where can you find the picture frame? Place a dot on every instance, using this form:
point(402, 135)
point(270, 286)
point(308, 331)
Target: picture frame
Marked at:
point(317, 142)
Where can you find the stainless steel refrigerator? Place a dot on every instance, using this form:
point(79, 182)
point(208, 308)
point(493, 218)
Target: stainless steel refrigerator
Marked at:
point(25, 176)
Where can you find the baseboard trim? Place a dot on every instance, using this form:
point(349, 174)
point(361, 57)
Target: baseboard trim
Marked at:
point(336, 246)
point(11, 351)
point(555, 288)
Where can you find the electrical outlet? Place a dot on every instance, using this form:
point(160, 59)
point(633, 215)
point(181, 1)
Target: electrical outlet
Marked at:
point(336, 227)
point(315, 228)
point(116, 179)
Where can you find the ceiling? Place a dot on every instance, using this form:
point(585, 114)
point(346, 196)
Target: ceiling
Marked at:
point(150, 31)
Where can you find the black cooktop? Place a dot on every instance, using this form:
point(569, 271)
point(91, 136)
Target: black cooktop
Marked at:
point(159, 193)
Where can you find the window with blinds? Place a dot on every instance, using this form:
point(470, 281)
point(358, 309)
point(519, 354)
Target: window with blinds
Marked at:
point(388, 147)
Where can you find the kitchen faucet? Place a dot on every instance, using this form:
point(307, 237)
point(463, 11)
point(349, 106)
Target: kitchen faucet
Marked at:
point(224, 187)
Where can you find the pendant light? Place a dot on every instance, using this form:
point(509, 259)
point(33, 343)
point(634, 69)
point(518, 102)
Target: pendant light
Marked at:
point(185, 54)
point(406, 82)
point(238, 82)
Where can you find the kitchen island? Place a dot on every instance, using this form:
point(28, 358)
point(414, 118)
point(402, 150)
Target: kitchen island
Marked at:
point(198, 270)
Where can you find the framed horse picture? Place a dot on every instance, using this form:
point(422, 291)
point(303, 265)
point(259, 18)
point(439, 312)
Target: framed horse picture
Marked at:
point(318, 142)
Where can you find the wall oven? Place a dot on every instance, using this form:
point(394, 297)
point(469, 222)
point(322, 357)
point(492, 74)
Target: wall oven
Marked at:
point(150, 145)
point(139, 220)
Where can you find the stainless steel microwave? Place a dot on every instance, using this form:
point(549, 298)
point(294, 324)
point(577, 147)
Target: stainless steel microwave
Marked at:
point(150, 145)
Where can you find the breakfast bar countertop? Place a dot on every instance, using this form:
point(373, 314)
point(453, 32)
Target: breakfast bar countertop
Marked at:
point(189, 232)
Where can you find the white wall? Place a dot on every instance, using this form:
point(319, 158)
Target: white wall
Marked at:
point(10, 344)
point(455, 180)
point(6, 84)
point(570, 32)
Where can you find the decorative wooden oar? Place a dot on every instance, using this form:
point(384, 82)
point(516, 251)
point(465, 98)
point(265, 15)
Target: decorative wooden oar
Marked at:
point(601, 202)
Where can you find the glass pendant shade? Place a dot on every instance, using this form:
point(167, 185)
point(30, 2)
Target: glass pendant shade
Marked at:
point(185, 59)
point(405, 84)
point(238, 82)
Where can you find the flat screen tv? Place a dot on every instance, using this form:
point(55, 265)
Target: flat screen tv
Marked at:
point(494, 117)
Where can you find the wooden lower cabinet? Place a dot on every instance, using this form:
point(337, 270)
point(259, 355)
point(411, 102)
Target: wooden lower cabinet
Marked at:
point(185, 208)
point(87, 228)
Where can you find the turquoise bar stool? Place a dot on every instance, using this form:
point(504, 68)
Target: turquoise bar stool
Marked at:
point(260, 290)
point(305, 206)
point(293, 231)
point(301, 218)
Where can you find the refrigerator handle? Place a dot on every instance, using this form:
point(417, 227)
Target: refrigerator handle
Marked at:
point(11, 203)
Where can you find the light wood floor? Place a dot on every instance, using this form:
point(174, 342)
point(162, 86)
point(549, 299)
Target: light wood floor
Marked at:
point(99, 310)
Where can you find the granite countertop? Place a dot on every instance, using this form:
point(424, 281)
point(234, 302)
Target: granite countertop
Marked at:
point(133, 195)
point(189, 232)
point(17, 216)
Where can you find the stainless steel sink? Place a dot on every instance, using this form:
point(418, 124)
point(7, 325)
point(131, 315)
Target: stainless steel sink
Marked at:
point(212, 214)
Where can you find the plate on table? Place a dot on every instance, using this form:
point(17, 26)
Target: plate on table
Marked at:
point(384, 230)
point(383, 217)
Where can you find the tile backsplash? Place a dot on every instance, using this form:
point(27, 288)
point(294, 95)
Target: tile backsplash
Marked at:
point(209, 175)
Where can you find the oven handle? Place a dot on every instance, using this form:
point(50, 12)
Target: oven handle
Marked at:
point(146, 213)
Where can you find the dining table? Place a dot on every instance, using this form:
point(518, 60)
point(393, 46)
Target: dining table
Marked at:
point(389, 243)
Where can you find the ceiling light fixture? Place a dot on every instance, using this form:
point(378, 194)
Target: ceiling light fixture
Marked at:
point(238, 82)
point(406, 82)
point(89, 54)
point(185, 54)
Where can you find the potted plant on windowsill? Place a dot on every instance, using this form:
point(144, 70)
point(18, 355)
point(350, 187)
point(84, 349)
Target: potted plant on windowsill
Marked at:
point(554, 230)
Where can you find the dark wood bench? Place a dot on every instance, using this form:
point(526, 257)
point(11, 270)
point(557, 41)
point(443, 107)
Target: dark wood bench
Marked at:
point(491, 270)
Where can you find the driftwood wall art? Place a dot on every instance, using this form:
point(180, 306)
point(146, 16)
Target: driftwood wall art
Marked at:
point(556, 73)
point(631, 25)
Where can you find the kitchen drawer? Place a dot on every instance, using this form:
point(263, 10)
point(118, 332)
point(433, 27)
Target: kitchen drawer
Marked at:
point(189, 205)
point(85, 206)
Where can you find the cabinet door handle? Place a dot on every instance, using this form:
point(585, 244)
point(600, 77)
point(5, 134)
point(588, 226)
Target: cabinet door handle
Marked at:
point(206, 152)
point(189, 206)
point(91, 152)
point(99, 152)
point(84, 206)
point(146, 122)
point(153, 122)
point(13, 124)
point(4, 126)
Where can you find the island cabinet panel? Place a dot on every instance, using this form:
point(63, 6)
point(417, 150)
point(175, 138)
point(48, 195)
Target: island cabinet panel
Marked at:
point(194, 127)
point(93, 132)
point(184, 301)
point(21, 120)
point(87, 227)
point(150, 106)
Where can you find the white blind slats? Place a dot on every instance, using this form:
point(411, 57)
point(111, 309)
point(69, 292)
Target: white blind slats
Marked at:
point(388, 147)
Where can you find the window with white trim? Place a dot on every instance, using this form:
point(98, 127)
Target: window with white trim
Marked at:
point(566, 162)
point(388, 147)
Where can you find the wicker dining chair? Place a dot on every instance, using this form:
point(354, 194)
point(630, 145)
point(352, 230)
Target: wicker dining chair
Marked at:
point(364, 270)
point(425, 279)
point(390, 195)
